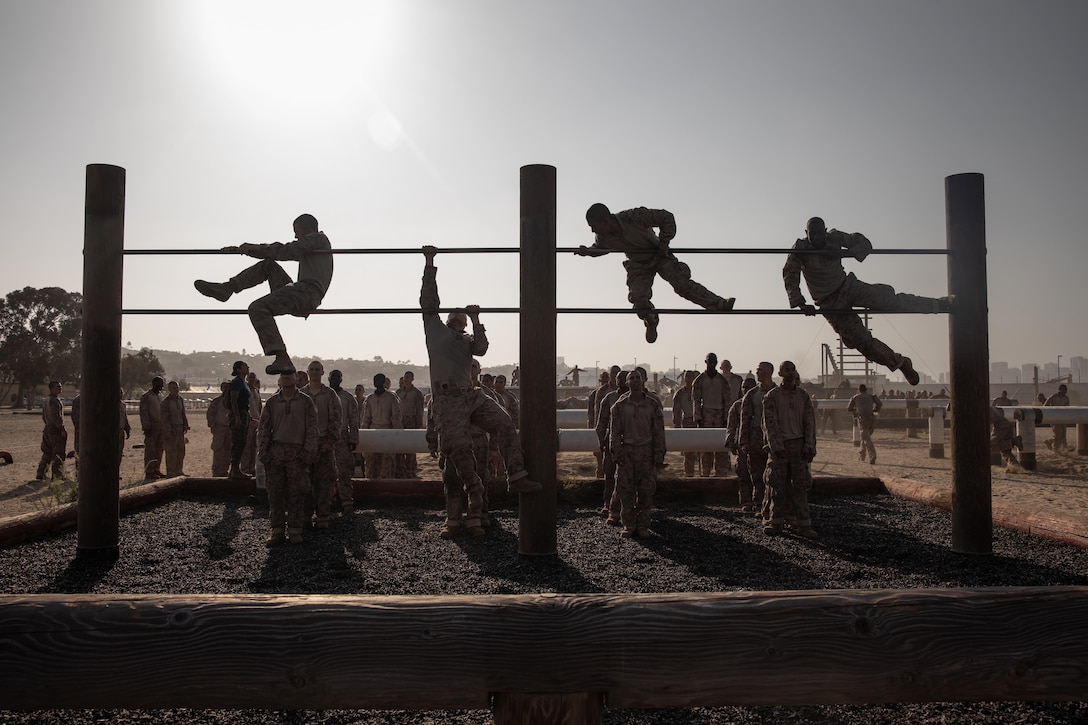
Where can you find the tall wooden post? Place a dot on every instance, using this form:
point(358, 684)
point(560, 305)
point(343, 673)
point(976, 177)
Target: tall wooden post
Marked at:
point(100, 386)
point(539, 440)
point(969, 347)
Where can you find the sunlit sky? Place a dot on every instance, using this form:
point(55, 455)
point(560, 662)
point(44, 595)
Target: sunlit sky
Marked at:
point(405, 123)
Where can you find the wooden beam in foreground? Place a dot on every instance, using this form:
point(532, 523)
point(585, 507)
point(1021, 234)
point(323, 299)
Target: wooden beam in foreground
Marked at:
point(662, 650)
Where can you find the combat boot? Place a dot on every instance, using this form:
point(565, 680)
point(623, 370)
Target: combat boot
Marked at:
point(282, 364)
point(907, 368)
point(221, 291)
point(238, 474)
point(523, 485)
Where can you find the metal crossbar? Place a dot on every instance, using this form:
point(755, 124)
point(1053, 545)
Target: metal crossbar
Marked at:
point(515, 250)
point(517, 310)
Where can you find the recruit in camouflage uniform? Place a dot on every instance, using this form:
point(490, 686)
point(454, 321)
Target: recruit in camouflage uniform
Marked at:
point(820, 261)
point(865, 406)
point(175, 424)
point(381, 411)
point(648, 256)
point(789, 425)
point(611, 502)
point(249, 453)
point(218, 416)
point(287, 443)
point(455, 405)
point(346, 445)
point(299, 298)
point(711, 392)
point(1001, 438)
point(54, 436)
point(683, 416)
point(1058, 442)
point(330, 419)
point(465, 508)
point(151, 423)
point(637, 442)
point(593, 407)
point(732, 442)
point(751, 438)
point(411, 418)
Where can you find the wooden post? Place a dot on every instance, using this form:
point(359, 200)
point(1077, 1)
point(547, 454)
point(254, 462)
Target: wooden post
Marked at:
point(969, 348)
point(100, 386)
point(538, 512)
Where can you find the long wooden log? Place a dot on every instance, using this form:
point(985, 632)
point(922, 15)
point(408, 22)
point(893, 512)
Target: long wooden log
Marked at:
point(661, 650)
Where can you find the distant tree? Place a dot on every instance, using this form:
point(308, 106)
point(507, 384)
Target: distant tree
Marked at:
point(39, 337)
point(137, 369)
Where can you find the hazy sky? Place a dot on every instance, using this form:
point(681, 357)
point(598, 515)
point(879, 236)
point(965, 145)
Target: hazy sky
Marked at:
point(405, 123)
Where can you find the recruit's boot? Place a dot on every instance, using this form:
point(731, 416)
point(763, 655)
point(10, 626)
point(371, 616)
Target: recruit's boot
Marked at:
point(238, 474)
point(523, 484)
point(908, 371)
point(651, 330)
point(282, 364)
point(216, 290)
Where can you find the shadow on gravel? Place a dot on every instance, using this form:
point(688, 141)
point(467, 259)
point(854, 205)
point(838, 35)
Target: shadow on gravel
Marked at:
point(721, 554)
point(221, 535)
point(79, 577)
point(869, 534)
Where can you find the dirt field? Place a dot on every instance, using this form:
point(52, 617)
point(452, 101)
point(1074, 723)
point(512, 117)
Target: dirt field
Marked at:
point(1059, 487)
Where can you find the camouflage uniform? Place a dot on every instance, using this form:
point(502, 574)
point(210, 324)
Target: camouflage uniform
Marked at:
point(1058, 442)
point(648, 256)
point(683, 416)
point(381, 412)
point(219, 421)
point(287, 297)
point(464, 496)
point(750, 437)
point(54, 438)
point(604, 432)
point(174, 426)
point(287, 444)
point(865, 406)
point(789, 425)
point(249, 452)
point(732, 441)
point(593, 408)
point(455, 406)
point(151, 423)
point(345, 450)
point(711, 392)
point(832, 288)
point(323, 468)
point(637, 442)
point(1001, 436)
point(411, 418)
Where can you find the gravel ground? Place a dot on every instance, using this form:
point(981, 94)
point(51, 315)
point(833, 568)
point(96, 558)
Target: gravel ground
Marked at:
point(868, 541)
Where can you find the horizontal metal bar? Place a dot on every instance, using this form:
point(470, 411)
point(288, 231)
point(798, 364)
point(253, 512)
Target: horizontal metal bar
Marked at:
point(365, 250)
point(515, 250)
point(763, 250)
point(517, 310)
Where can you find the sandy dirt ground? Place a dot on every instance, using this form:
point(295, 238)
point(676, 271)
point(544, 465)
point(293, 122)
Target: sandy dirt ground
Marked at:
point(1059, 487)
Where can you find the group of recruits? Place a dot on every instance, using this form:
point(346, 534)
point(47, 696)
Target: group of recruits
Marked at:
point(458, 406)
point(770, 428)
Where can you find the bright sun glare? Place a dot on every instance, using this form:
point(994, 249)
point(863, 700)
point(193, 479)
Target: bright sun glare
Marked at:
point(270, 51)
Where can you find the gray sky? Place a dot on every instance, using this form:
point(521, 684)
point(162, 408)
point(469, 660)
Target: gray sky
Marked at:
point(405, 123)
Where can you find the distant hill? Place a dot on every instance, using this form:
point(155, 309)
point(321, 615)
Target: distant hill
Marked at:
point(202, 369)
